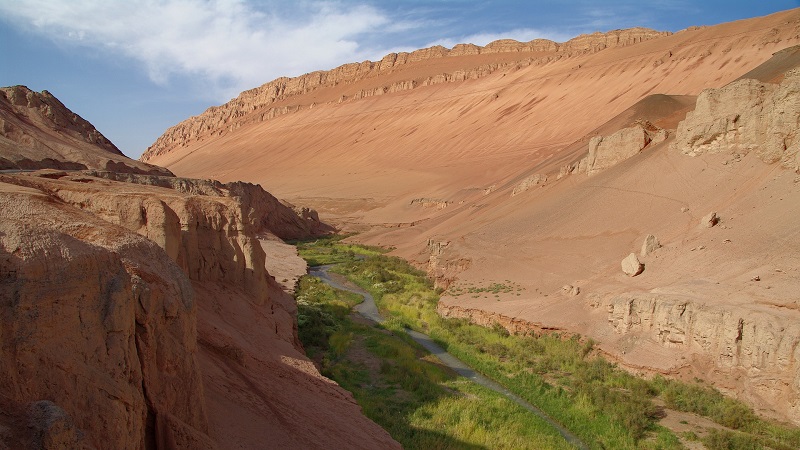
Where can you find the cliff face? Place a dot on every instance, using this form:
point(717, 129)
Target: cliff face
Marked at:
point(107, 289)
point(255, 103)
point(111, 277)
point(37, 131)
point(751, 352)
point(746, 116)
point(266, 213)
point(96, 319)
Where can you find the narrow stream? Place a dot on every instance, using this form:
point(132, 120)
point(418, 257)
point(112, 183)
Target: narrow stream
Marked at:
point(369, 310)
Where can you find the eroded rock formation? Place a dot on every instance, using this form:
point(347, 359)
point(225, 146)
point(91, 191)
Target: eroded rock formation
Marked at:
point(746, 116)
point(137, 309)
point(608, 151)
point(109, 286)
point(98, 320)
point(740, 347)
point(529, 182)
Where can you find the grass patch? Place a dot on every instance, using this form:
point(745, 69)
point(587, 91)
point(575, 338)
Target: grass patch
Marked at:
point(604, 406)
point(330, 250)
point(561, 374)
point(748, 431)
point(476, 290)
point(419, 402)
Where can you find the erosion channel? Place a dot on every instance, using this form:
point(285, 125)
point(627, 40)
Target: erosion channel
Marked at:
point(369, 310)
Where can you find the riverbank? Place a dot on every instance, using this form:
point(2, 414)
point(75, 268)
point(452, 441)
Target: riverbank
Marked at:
point(564, 375)
point(369, 310)
point(421, 402)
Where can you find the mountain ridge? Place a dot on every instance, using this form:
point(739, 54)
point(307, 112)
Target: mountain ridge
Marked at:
point(285, 87)
point(38, 131)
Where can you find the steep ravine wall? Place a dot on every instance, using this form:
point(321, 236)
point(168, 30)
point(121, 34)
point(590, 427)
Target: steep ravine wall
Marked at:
point(754, 355)
point(108, 287)
point(255, 102)
point(259, 207)
point(99, 322)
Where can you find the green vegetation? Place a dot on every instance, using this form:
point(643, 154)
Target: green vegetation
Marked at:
point(751, 432)
point(563, 375)
point(422, 404)
point(330, 250)
point(604, 406)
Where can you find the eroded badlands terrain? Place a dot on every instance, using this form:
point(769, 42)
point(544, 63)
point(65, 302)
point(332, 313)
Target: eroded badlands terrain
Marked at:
point(137, 309)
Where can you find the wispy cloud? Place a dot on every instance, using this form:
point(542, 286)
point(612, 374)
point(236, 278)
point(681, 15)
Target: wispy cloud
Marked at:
point(519, 34)
point(230, 44)
point(222, 47)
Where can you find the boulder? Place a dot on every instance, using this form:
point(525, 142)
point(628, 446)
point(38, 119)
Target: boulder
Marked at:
point(570, 290)
point(608, 151)
point(709, 220)
point(631, 265)
point(649, 245)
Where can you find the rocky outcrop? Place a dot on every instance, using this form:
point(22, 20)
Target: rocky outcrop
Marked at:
point(431, 203)
point(649, 245)
point(529, 182)
point(570, 290)
point(255, 103)
point(608, 151)
point(267, 213)
point(211, 239)
point(709, 220)
point(444, 270)
point(598, 41)
point(98, 320)
point(753, 352)
point(37, 131)
point(485, 318)
point(107, 289)
point(746, 116)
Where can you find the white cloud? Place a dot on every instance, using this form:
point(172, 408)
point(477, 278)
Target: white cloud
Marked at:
point(222, 47)
point(230, 44)
point(520, 34)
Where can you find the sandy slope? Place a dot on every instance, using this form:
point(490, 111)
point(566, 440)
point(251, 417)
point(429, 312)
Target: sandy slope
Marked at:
point(439, 140)
point(463, 147)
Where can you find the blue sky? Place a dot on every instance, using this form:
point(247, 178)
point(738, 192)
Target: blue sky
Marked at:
point(133, 68)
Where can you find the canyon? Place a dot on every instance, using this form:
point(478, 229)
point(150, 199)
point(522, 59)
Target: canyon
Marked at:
point(544, 165)
point(639, 188)
point(138, 309)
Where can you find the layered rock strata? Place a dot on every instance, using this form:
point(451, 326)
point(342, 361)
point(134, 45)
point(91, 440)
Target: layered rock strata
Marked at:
point(107, 289)
point(754, 353)
point(746, 116)
point(256, 102)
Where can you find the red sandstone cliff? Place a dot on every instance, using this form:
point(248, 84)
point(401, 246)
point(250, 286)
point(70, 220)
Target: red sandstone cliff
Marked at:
point(137, 311)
